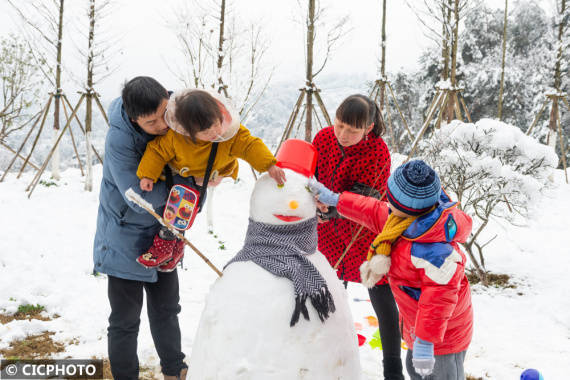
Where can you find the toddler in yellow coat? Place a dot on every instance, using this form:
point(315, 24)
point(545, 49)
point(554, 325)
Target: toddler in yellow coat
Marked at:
point(197, 119)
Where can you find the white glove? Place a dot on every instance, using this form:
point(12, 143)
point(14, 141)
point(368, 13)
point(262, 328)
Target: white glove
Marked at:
point(372, 271)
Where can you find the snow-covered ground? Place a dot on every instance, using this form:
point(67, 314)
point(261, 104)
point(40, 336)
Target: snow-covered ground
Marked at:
point(46, 259)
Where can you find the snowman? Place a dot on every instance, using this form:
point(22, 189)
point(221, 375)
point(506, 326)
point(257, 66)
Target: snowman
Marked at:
point(279, 311)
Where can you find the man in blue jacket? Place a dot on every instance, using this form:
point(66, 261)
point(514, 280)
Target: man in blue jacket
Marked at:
point(125, 230)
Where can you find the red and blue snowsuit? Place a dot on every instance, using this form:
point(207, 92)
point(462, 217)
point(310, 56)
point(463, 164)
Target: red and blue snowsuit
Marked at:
point(427, 274)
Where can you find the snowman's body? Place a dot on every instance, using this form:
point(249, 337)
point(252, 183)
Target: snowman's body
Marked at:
point(245, 331)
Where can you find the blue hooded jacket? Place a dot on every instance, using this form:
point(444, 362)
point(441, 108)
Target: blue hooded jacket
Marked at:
point(125, 230)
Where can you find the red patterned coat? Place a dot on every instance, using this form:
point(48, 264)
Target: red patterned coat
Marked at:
point(340, 169)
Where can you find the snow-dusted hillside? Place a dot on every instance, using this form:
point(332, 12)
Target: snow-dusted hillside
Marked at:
point(46, 259)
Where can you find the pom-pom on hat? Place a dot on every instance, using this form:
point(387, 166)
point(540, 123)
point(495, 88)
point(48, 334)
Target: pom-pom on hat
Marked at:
point(413, 188)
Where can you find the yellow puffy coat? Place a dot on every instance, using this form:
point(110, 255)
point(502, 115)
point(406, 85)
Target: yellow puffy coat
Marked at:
point(190, 159)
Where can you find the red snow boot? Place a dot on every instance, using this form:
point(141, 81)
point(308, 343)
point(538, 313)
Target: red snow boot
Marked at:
point(159, 253)
point(177, 255)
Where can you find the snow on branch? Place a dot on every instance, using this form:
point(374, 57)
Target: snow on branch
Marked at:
point(493, 169)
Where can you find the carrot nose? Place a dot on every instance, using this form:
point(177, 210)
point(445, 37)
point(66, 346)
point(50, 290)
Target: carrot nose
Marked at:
point(293, 205)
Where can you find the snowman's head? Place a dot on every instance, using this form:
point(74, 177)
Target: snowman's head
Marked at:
point(290, 203)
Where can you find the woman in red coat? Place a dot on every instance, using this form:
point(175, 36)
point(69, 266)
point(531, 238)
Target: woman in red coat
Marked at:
point(353, 157)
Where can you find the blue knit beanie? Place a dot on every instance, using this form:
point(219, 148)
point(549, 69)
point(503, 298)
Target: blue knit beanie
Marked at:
point(413, 188)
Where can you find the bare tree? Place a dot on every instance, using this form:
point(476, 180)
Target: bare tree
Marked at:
point(315, 19)
point(19, 85)
point(383, 59)
point(448, 14)
point(489, 177)
point(100, 48)
point(220, 55)
point(43, 22)
point(502, 86)
point(562, 23)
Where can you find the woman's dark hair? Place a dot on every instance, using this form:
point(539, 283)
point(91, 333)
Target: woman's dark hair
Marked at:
point(197, 111)
point(359, 111)
point(142, 96)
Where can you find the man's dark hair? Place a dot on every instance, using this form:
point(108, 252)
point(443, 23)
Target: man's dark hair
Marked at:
point(142, 96)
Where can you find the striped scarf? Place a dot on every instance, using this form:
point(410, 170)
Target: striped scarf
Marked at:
point(393, 229)
point(282, 250)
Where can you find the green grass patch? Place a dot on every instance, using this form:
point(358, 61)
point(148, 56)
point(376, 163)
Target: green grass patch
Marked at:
point(30, 309)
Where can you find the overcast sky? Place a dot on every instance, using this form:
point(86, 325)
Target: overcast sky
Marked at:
point(146, 42)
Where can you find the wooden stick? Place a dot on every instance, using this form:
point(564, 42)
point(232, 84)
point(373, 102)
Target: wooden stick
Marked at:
point(101, 108)
point(465, 108)
point(136, 199)
point(562, 151)
point(457, 109)
point(374, 93)
point(537, 117)
point(36, 179)
point(291, 121)
point(433, 103)
point(362, 226)
point(317, 118)
point(437, 102)
point(322, 106)
point(393, 141)
point(73, 139)
point(410, 134)
point(442, 111)
point(83, 129)
point(37, 136)
point(18, 155)
point(300, 122)
point(566, 102)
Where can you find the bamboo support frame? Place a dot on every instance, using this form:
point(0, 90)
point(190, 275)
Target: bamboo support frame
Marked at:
point(83, 129)
point(300, 120)
point(17, 152)
point(36, 179)
point(37, 136)
point(291, 121)
point(465, 109)
point(437, 102)
point(537, 117)
point(73, 139)
point(18, 155)
point(43, 116)
point(317, 118)
point(322, 106)
point(395, 146)
point(433, 102)
point(458, 114)
point(304, 95)
point(442, 109)
point(410, 134)
point(96, 97)
point(565, 100)
point(558, 121)
point(561, 140)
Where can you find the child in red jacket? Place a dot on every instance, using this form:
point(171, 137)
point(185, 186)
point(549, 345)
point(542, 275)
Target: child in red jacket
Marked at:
point(419, 231)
